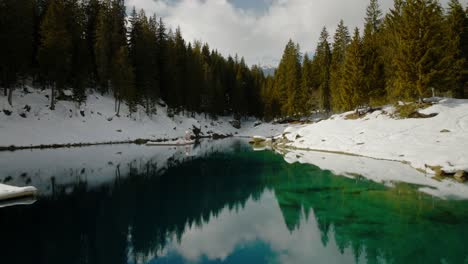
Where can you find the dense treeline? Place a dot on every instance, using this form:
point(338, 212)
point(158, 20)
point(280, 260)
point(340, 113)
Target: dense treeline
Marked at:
point(404, 55)
point(416, 48)
point(80, 45)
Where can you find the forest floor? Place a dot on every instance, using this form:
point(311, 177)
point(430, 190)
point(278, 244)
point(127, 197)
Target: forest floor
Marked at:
point(431, 139)
point(29, 123)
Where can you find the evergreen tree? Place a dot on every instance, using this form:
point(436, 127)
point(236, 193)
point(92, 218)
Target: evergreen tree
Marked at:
point(353, 83)
point(122, 79)
point(307, 92)
point(102, 46)
point(322, 63)
point(55, 49)
point(266, 98)
point(374, 83)
point(389, 28)
point(239, 94)
point(288, 79)
point(419, 54)
point(194, 77)
point(162, 58)
point(80, 57)
point(457, 34)
point(257, 80)
point(16, 42)
point(91, 11)
point(143, 56)
point(179, 70)
point(340, 44)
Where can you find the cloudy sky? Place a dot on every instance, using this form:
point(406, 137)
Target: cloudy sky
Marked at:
point(258, 29)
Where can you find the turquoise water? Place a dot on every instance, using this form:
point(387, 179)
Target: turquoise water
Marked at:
point(233, 205)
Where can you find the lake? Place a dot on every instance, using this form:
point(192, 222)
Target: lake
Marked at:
point(222, 202)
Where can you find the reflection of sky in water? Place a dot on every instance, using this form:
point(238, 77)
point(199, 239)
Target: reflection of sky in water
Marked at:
point(255, 234)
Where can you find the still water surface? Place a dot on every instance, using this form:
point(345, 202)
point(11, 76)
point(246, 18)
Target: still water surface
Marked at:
point(228, 205)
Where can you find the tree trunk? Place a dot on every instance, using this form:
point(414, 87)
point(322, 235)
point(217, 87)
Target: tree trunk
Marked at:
point(118, 108)
point(52, 97)
point(10, 96)
point(5, 91)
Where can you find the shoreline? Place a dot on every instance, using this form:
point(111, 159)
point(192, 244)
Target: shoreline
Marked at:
point(437, 171)
point(433, 144)
point(138, 141)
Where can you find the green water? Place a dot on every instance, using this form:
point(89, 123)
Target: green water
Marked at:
point(235, 206)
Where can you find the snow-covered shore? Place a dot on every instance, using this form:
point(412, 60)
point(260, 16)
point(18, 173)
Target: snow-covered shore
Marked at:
point(438, 141)
point(8, 192)
point(95, 165)
point(30, 122)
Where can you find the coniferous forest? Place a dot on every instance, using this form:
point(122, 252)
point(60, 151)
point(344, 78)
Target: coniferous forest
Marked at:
point(414, 49)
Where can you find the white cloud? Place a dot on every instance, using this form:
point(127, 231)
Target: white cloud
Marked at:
point(219, 238)
point(259, 37)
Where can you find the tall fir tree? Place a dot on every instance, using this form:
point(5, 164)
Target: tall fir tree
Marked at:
point(457, 36)
point(322, 62)
point(341, 41)
point(80, 56)
point(16, 42)
point(142, 41)
point(288, 79)
point(102, 45)
point(91, 11)
point(179, 70)
point(353, 92)
point(55, 49)
point(419, 57)
point(123, 79)
point(373, 59)
point(306, 100)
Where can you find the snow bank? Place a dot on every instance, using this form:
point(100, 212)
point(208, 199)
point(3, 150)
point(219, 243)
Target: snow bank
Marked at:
point(8, 192)
point(30, 122)
point(438, 141)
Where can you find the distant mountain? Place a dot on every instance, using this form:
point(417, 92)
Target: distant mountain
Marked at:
point(268, 70)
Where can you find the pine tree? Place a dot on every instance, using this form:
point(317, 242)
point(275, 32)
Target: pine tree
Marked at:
point(294, 71)
point(162, 56)
point(288, 79)
point(55, 50)
point(353, 93)
point(80, 56)
point(374, 85)
point(122, 79)
point(102, 46)
point(179, 70)
point(389, 29)
point(340, 44)
point(16, 42)
point(418, 46)
point(195, 77)
point(142, 38)
point(321, 63)
point(91, 11)
point(258, 78)
point(307, 92)
point(464, 52)
point(457, 33)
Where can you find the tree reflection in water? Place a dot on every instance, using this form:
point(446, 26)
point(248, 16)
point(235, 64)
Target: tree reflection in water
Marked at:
point(147, 215)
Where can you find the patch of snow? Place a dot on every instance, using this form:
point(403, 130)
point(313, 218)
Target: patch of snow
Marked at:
point(419, 142)
point(95, 121)
point(11, 192)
